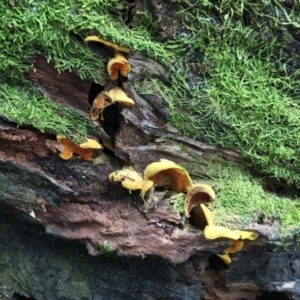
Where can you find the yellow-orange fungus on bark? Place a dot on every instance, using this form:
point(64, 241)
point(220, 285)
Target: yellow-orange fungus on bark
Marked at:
point(198, 194)
point(69, 147)
point(118, 64)
point(236, 246)
point(128, 177)
point(118, 95)
point(94, 38)
point(166, 173)
point(99, 103)
point(214, 232)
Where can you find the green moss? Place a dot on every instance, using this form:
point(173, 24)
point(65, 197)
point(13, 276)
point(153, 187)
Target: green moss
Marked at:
point(106, 248)
point(240, 199)
point(24, 105)
point(231, 89)
point(176, 202)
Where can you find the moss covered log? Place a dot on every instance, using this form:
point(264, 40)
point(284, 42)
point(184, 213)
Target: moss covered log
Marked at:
point(224, 74)
point(231, 79)
point(233, 64)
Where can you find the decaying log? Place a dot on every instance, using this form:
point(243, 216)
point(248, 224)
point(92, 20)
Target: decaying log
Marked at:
point(75, 200)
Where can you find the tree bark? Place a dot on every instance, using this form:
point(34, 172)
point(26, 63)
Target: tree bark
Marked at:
point(51, 209)
point(75, 200)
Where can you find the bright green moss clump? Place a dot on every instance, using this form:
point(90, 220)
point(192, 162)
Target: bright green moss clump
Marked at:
point(24, 105)
point(241, 95)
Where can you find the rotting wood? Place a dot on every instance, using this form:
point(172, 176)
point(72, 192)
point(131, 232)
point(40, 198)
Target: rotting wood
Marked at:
point(75, 200)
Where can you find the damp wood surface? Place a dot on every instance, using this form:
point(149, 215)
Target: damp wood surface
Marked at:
point(74, 200)
point(67, 232)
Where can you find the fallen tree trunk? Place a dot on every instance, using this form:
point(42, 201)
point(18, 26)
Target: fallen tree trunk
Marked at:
point(75, 200)
point(51, 209)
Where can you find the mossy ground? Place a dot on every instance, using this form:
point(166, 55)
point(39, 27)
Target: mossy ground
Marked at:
point(232, 83)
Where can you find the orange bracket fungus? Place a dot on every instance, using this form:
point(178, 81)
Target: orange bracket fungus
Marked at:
point(198, 194)
point(208, 215)
point(118, 62)
point(166, 173)
point(212, 231)
point(115, 47)
point(236, 247)
point(117, 95)
point(99, 103)
point(247, 235)
point(225, 257)
point(128, 177)
point(203, 194)
point(84, 150)
point(105, 99)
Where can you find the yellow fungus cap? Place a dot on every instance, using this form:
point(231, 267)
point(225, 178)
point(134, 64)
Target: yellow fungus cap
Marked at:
point(225, 257)
point(128, 177)
point(197, 194)
point(116, 64)
point(90, 144)
point(208, 215)
point(166, 173)
point(214, 232)
point(117, 95)
point(94, 38)
point(236, 246)
point(247, 235)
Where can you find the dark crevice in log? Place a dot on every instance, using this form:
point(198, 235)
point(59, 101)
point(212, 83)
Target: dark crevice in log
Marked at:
point(273, 295)
point(94, 90)
point(17, 296)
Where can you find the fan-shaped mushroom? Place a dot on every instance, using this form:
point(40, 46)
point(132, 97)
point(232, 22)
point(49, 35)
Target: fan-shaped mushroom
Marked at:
point(166, 173)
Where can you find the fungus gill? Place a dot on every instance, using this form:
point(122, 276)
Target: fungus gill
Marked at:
point(166, 173)
point(116, 64)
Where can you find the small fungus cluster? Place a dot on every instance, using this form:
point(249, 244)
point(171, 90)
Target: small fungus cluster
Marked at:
point(168, 174)
point(118, 64)
point(84, 150)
